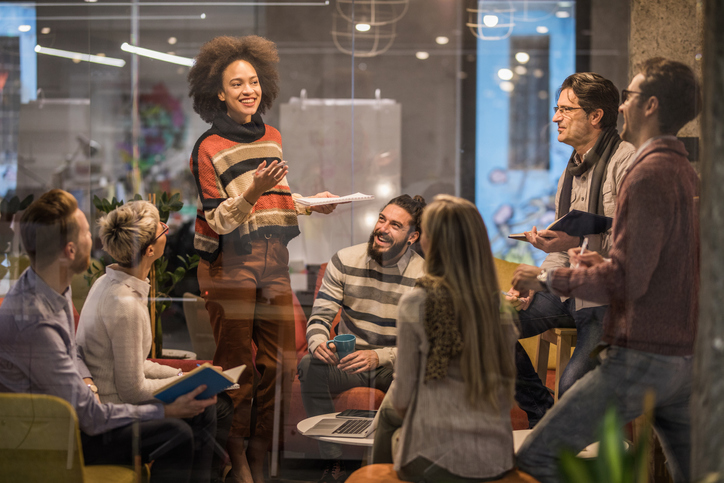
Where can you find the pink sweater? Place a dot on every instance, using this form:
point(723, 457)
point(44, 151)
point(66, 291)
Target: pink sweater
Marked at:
point(652, 281)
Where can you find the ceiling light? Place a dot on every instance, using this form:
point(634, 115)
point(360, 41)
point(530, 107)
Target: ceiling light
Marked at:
point(45, 30)
point(522, 57)
point(91, 1)
point(422, 55)
point(78, 57)
point(505, 74)
point(565, 4)
point(490, 20)
point(24, 28)
point(562, 14)
point(442, 40)
point(174, 59)
point(362, 27)
point(520, 70)
point(172, 40)
point(203, 15)
point(507, 86)
point(541, 29)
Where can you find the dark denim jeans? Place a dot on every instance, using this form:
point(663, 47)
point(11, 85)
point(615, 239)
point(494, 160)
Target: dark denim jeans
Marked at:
point(622, 380)
point(548, 312)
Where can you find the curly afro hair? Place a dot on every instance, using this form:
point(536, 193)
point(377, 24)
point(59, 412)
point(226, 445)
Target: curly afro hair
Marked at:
point(205, 77)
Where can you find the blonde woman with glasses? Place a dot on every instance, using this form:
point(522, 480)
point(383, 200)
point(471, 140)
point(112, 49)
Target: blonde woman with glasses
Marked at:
point(455, 371)
point(114, 330)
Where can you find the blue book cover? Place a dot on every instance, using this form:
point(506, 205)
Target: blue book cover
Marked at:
point(215, 380)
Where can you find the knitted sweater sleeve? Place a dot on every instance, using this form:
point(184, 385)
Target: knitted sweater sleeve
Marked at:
point(128, 329)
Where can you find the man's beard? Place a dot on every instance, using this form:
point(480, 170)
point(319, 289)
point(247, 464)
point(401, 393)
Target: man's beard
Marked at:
point(80, 265)
point(380, 256)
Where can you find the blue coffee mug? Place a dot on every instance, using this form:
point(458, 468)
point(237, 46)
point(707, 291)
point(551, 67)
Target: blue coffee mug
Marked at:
point(345, 344)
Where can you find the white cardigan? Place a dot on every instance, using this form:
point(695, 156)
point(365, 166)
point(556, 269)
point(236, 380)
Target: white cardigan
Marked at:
point(114, 334)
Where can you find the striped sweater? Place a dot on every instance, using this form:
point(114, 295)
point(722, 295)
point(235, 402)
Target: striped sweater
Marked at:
point(223, 163)
point(368, 295)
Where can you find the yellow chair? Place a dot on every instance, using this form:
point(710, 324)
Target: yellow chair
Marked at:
point(40, 441)
point(538, 347)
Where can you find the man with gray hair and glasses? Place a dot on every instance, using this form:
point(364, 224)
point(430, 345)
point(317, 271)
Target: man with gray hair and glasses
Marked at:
point(586, 116)
point(651, 283)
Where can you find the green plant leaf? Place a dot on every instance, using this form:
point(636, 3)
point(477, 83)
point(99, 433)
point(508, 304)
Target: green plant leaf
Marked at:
point(575, 470)
point(610, 450)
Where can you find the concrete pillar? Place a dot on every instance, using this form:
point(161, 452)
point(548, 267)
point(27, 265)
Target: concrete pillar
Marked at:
point(671, 29)
point(708, 398)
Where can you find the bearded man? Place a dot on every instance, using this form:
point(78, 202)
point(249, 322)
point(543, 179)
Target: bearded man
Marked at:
point(365, 281)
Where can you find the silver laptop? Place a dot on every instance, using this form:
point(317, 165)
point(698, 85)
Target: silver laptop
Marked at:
point(345, 426)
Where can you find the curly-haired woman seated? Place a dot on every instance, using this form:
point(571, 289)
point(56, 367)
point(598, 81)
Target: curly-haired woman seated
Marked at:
point(114, 330)
point(455, 371)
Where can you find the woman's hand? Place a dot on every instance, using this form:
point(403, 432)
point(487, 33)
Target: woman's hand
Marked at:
point(324, 209)
point(265, 178)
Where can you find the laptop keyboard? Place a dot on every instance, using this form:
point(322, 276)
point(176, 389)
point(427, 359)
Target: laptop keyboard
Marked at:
point(353, 426)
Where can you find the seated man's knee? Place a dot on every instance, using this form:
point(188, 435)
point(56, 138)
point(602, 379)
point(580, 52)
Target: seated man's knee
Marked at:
point(310, 367)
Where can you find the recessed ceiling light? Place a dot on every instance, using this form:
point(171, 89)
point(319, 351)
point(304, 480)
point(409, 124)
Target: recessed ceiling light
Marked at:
point(24, 28)
point(442, 40)
point(562, 14)
point(522, 57)
point(362, 27)
point(172, 40)
point(520, 70)
point(541, 29)
point(203, 15)
point(505, 74)
point(91, 1)
point(422, 55)
point(490, 20)
point(45, 30)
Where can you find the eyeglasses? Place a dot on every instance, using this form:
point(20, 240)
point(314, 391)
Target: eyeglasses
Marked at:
point(626, 93)
point(164, 230)
point(564, 110)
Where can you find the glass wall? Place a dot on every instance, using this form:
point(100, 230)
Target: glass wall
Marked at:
point(382, 97)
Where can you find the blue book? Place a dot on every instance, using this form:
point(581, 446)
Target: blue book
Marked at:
point(215, 380)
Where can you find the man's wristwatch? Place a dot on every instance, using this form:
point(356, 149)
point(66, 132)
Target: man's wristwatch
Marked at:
point(93, 388)
point(543, 279)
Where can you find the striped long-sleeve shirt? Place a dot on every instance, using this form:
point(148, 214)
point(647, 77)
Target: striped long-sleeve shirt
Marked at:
point(368, 294)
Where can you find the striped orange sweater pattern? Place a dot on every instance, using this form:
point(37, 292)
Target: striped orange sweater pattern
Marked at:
point(223, 163)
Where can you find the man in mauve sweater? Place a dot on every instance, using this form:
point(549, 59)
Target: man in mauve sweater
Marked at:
point(651, 284)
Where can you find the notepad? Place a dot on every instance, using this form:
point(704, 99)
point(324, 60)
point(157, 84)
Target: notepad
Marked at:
point(331, 201)
point(576, 223)
point(215, 380)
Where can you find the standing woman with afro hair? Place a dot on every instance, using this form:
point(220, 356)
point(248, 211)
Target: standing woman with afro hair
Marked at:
point(246, 216)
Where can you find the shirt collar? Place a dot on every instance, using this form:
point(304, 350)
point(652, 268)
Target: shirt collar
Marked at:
point(57, 302)
point(578, 159)
point(135, 283)
point(401, 263)
point(651, 140)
